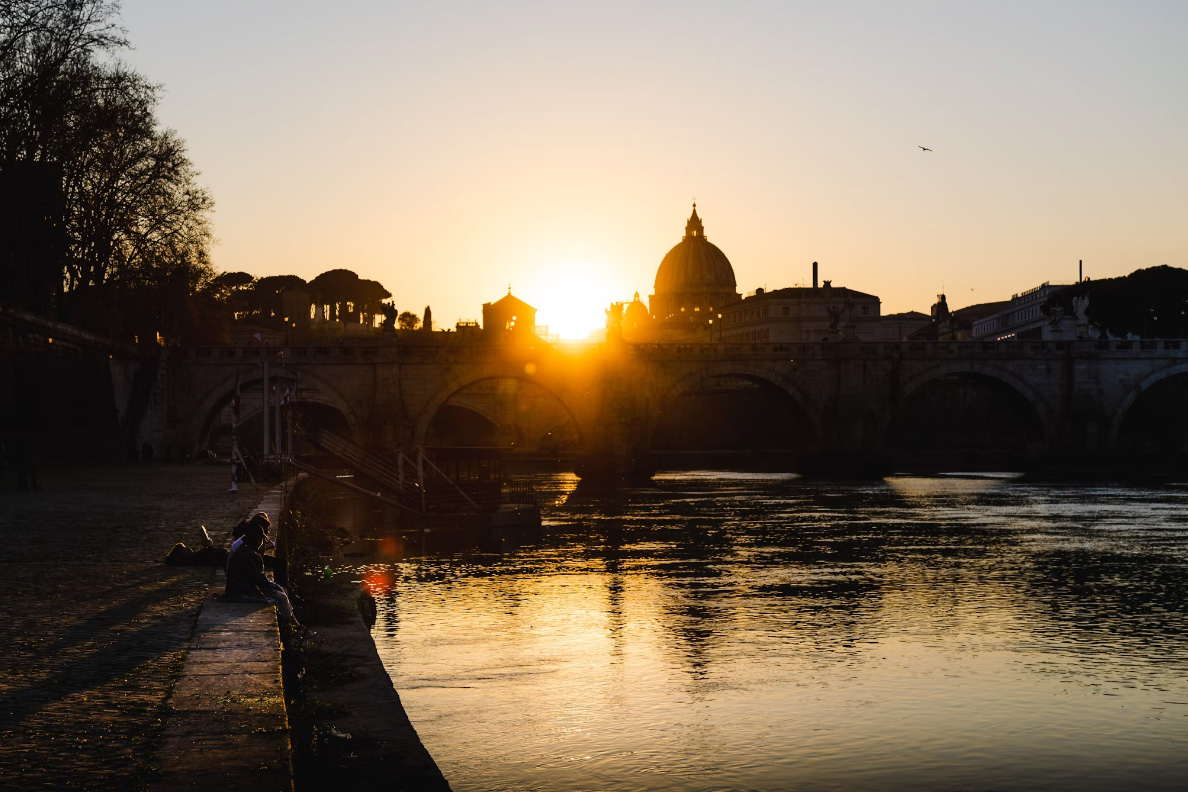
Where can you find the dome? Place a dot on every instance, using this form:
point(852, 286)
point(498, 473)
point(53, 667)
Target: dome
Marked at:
point(636, 313)
point(695, 265)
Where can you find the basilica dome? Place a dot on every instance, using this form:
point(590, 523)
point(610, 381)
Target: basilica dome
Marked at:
point(694, 264)
point(695, 279)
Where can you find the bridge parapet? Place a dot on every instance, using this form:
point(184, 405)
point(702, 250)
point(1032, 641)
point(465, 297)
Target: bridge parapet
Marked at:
point(395, 352)
point(908, 349)
point(455, 352)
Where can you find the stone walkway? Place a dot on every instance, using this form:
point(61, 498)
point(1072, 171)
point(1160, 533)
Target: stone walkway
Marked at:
point(93, 627)
point(227, 726)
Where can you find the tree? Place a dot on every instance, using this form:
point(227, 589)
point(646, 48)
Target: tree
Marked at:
point(350, 297)
point(268, 305)
point(135, 222)
point(1148, 303)
point(409, 321)
point(234, 293)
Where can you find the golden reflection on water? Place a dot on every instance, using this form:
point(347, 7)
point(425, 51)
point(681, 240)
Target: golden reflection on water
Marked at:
point(955, 485)
point(768, 633)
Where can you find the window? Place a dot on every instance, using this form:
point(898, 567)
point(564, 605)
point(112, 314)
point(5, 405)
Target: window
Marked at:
point(866, 310)
point(787, 310)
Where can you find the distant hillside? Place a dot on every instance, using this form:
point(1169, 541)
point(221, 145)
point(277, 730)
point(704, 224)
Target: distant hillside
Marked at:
point(1149, 303)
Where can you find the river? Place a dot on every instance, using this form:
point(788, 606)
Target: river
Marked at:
point(735, 631)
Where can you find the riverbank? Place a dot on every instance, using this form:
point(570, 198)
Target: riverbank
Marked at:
point(349, 726)
point(94, 626)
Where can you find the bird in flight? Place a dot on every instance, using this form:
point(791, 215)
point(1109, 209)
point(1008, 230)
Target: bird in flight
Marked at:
point(923, 149)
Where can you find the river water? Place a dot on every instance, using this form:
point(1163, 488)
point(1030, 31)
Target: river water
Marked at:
point(732, 631)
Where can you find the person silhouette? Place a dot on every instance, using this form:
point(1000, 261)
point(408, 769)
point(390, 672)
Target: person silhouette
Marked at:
point(246, 581)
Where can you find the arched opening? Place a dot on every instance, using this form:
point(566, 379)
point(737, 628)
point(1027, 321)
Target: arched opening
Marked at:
point(1153, 433)
point(519, 417)
point(735, 421)
point(296, 414)
point(964, 421)
point(456, 426)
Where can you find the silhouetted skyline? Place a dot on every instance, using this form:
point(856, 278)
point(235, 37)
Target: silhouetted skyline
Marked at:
point(446, 150)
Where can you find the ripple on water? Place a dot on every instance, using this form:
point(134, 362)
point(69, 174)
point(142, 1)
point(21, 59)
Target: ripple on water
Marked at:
point(757, 631)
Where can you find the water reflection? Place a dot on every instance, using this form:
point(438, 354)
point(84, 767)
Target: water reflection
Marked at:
point(753, 631)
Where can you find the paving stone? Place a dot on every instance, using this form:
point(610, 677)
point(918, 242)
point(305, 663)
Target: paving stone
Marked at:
point(236, 683)
point(238, 639)
point(272, 780)
point(227, 615)
point(250, 752)
point(216, 666)
point(230, 654)
point(198, 722)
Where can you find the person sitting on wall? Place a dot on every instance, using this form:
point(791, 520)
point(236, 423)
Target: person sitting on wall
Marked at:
point(246, 581)
point(279, 567)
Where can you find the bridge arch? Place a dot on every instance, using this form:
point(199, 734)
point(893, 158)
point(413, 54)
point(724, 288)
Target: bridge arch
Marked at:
point(1005, 389)
point(459, 382)
point(309, 388)
point(767, 376)
point(1144, 388)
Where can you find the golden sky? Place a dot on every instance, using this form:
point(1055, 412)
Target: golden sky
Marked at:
point(450, 149)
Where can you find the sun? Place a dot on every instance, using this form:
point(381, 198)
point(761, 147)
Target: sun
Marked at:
point(572, 299)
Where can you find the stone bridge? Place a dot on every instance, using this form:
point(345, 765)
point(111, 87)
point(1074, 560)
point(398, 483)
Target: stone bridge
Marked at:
point(855, 403)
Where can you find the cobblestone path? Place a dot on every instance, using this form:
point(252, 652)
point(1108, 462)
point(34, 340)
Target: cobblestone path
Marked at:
point(93, 627)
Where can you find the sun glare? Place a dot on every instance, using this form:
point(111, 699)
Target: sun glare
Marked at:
point(571, 299)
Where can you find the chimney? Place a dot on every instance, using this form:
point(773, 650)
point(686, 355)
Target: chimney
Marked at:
point(814, 274)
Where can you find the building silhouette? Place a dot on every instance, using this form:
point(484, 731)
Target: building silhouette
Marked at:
point(509, 318)
point(802, 314)
point(693, 283)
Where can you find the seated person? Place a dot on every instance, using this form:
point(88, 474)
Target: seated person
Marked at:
point(279, 567)
point(246, 581)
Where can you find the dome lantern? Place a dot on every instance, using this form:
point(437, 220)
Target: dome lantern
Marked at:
point(694, 228)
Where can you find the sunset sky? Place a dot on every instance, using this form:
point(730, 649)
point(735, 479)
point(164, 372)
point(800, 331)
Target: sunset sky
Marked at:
point(449, 149)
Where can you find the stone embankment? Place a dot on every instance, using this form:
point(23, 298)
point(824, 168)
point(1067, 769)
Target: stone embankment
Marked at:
point(353, 730)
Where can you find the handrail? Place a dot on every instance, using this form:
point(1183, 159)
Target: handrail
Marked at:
point(305, 467)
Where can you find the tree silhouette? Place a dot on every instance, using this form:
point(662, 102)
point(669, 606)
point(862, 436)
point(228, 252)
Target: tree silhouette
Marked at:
point(134, 222)
point(268, 298)
point(235, 291)
point(409, 321)
point(1148, 303)
point(351, 298)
